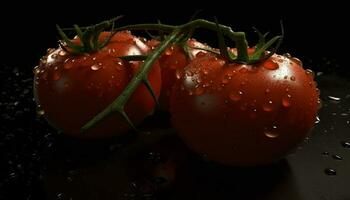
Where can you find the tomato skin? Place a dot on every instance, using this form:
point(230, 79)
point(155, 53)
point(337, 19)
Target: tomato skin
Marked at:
point(71, 89)
point(173, 59)
point(238, 114)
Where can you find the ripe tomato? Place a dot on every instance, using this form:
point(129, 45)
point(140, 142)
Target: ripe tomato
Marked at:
point(239, 114)
point(173, 59)
point(70, 89)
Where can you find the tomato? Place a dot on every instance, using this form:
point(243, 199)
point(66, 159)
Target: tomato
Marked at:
point(71, 89)
point(173, 59)
point(238, 114)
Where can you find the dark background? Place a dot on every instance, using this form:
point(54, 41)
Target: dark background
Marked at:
point(29, 148)
point(315, 31)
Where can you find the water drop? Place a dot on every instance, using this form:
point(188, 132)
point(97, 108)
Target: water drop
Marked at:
point(268, 106)
point(50, 50)
point(333, 99)
point(205, 71)
point(309, 72)
point(318, 120)
point(168, 52)
point(330, 172)
point(40, 111)
point(94, 58)
point(286, 100)
point(267, 91)
point(297, 61)
point(243, 70)
point(66, 85)
point(56, 75)
point(337, 157)
point(62, 53)
point(54, 56)
point(345, 144)
point(95, 67)
point(224, 81)
point(287, 55)
point(236, 96)
point(292, 78)
point(189, 73)
point(199, 91)
point(178, 74)
point(36, 70)
point(270, 64)
point(272, 133)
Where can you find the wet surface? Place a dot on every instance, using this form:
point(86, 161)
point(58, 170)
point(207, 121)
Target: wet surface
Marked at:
point(38, 163)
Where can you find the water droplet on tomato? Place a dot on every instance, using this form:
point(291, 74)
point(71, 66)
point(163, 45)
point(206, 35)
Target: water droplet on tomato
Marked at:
point(268, 106)
point(270, 64)
point(168, 52)
point(297, 61)
point(178, 73)
point(244, 106)
point(199, 91)
point(224, 81)
point(267, 91)
point(36, 70)
point(287, 55)
point(236, 96)
point(345, 144)
point(287, 89)
point(94, 58)
point(56, 75)
point(39, 110)
point(253, 114)
point(205, 71)
point(309, 72)
point(243, 70)
point(62, 53)
point(95, 67)
point(271, 132)
point(337, 157)
point(66, 85)
point(50, 50)
point(189, 73)
point(287, 100)
point(330, 172)
point(292, 78)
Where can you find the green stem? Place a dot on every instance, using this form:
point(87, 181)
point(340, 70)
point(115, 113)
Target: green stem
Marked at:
point(118, 104)
point(238, 37)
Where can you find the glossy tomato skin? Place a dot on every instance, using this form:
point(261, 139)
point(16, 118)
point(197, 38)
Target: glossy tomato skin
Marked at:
point(71, 89)
point(238, 114)
point(173, 59)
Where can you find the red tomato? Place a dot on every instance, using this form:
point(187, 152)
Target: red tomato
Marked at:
point(239, 114)
point(173, 59)
point(70, 89)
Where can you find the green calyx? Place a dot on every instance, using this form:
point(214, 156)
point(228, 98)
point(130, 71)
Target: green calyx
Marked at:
point(89, 37)
point(170, 35)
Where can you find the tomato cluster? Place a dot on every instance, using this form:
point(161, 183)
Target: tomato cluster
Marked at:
point(233, 113)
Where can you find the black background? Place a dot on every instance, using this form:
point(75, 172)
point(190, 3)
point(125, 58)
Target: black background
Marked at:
point(312, 31)
point(315, 33)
